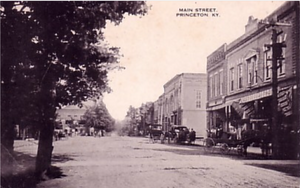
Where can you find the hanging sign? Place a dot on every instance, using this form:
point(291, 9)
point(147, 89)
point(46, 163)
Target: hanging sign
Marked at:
point(285, 101)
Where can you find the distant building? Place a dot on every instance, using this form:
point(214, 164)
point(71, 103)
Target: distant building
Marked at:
point(183, 102)
point(70, 114)
point(73, 114)
point(158, 110)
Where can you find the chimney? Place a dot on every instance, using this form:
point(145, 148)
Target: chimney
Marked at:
point(251, 25)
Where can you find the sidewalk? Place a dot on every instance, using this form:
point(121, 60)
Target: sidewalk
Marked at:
point(254, 150)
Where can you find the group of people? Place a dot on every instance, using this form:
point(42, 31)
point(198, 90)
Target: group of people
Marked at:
point(62, 133)
point(186, 135)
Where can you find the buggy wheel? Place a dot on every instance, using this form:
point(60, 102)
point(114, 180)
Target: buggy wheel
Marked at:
point(239, 149)
point(153, 140)
point(208, 144)
point(225, 148)
point(176, 140)
point(162, 138)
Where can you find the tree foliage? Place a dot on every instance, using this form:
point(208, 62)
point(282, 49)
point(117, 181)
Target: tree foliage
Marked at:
point(63, 40)
point(98, 117)
point(53, 54)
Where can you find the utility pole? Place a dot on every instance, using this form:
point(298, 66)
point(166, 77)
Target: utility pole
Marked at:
point(297, 100)
point(275, 126)
point(276, 56)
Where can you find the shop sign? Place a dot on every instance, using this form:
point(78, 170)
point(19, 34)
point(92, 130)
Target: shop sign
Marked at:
point(285, 101)
point(259, 120)
point(255, 96)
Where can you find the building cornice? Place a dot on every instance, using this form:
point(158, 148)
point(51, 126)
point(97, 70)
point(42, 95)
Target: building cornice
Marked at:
point(281, 12)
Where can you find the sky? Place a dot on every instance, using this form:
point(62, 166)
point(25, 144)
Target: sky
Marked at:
point(162, 44)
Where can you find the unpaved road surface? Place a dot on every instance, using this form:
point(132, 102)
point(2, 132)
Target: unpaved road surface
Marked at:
point(130, 162)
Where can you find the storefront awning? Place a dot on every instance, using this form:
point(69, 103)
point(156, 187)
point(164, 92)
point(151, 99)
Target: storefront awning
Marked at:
point(258, 95)
point(212, 108)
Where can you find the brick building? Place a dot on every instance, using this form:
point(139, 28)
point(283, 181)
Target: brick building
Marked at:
point(240, 76)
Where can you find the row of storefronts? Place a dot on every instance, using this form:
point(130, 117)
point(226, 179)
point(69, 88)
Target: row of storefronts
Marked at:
point(240, 84)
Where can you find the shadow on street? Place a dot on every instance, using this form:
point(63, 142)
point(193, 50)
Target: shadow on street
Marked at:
point(22, 173)
point(257, 160)
point(289, 169)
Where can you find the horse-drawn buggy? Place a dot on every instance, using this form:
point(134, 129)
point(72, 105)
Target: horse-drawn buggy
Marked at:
point(156, 133)
point(228, 141)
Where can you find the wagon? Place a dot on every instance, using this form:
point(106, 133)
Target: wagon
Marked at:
point(227, 143)
point(156, 133)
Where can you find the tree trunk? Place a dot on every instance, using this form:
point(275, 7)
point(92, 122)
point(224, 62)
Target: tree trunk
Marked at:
point(7, 143)
point(47, 120)
point(45, 148)
point(7, 124)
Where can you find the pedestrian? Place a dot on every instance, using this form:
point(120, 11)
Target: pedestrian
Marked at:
point(266, 139)
point(192, 136)
point(56, 135)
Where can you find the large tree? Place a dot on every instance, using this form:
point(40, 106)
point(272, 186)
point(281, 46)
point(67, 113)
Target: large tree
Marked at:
point(53, 54)
point(97, 116)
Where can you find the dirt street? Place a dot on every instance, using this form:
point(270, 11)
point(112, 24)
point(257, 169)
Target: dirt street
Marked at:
point(130, 162)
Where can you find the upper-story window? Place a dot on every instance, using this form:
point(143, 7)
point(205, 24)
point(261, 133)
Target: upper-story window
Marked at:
point(267, 64)
point(216, 84)
point(171, 104)
point(252, 70)
point(176, 98)
point(198, 99)
point(166, 105)
point(210, 86)
point(231, 79)
point(221, 81)
point(255, 72)
point(240, 76)
point(213, 86)
point(281, 62)
point(268, 59)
